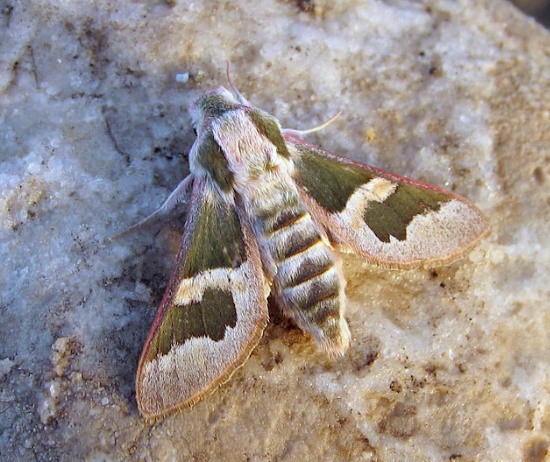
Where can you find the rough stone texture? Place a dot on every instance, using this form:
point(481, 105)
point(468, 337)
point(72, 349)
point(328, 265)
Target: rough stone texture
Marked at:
point(446, 364)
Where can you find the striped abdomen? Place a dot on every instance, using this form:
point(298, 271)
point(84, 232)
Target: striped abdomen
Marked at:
point(306, 279)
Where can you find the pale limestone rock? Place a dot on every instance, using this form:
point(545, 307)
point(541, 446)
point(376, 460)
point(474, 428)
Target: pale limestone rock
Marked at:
point(451, 364)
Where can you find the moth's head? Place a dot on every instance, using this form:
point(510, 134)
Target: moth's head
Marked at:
point(213, 105)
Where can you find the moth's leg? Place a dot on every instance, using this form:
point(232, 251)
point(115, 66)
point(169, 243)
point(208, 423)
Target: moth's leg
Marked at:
point(290, 131)
point(179, 195)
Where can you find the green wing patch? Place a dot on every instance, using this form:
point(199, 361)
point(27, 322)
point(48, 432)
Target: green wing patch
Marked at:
point(211, 157)
point(329, 181)
point(208, 318)
point(215, 240)
point(391, 217)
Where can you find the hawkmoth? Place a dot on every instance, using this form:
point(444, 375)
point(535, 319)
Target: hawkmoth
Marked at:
point(267, 212)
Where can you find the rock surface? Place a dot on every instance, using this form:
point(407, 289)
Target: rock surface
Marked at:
point(446, 364)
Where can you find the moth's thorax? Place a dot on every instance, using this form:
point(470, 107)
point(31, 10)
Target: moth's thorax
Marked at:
point(241, 148)
point(250, 154)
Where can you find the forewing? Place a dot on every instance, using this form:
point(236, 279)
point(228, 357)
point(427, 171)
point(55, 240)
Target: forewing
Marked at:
point(213, 312)
point(390, 220)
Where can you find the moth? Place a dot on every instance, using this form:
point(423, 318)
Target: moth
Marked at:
point(266, 213)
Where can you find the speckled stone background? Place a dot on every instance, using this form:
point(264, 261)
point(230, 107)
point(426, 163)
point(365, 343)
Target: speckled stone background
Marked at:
point(446, 364)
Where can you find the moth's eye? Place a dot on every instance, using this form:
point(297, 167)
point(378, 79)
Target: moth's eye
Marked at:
point(195, 131)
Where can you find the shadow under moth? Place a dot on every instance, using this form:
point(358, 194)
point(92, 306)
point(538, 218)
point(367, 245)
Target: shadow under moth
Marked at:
point(266, 213)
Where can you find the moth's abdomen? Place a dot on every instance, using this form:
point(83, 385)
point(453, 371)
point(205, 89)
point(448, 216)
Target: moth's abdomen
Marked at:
point(307, 280)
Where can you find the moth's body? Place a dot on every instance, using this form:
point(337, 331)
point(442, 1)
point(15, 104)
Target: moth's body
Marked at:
point(297, 257)
point(266, 211)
